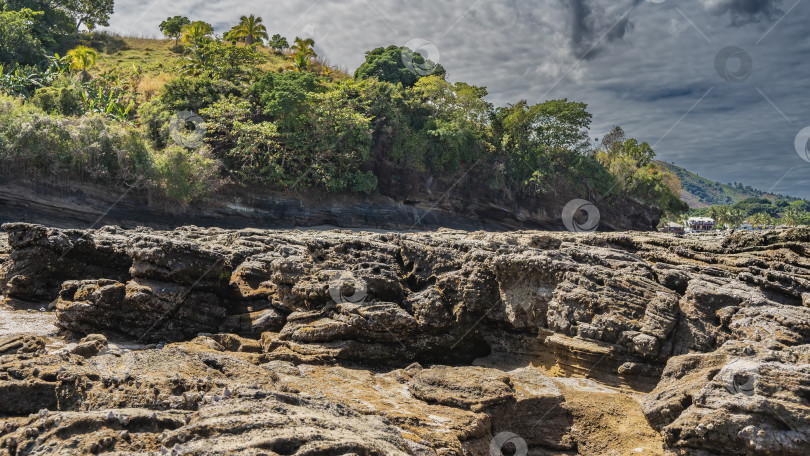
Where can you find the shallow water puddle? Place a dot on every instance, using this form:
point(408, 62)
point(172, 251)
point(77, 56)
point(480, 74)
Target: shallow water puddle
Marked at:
point(13, 322)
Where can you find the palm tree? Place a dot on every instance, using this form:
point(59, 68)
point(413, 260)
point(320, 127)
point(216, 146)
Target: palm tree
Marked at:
point(195, 32)
point(251, 29)
point(791, 217)
point(760, 220)
point(82, 58)
point(734, 217)
point(719, 214)
point(302, 53)
point(299, 62)
point(304, 47)
point(716, 212)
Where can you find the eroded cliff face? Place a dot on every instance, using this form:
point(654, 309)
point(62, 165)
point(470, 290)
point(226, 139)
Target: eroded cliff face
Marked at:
point(212, 341)
point(406, 203)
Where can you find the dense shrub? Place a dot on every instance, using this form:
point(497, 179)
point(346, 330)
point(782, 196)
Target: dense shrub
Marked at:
point(284, 97)
point(65, 100)
point(103, 42)
point(186, 176)
point(190, 93)
point(155, 122)
point(182, 94)
point(96, 149)
point(91, 148)
point(326, 147)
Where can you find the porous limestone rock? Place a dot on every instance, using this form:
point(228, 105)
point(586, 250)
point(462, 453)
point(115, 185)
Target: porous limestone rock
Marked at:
point(338, 319)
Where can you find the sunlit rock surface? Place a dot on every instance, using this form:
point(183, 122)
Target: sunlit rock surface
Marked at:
point(211, 341)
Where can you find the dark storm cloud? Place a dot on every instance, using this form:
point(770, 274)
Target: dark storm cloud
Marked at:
point(744, 11)
point(590, 22)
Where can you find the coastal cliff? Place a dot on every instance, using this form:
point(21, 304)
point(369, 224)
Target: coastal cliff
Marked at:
point(413, 202)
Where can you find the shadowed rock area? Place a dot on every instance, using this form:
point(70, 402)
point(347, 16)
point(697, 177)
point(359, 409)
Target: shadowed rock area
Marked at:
point(213, 341)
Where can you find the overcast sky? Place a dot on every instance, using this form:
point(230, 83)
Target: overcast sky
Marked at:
point(720, 87)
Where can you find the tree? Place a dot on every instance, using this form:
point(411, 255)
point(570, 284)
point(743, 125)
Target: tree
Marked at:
point(278, 43)
point(615, 144)
point(555, 123)
point(760, 220)
point(172, 27)
point(615, 136)
point(196, 33)
point(82, 58)
point(452, 122)
point(284, 96)
point(90, 13)
point(300, 62)
point(304, 46)
point(18, 45)
point(302, 53)
point(721, 215)
point(50, 28)
point(250, 29)
point(389, 64)
point(641, 153)
point(792, 216)
point(734, 217)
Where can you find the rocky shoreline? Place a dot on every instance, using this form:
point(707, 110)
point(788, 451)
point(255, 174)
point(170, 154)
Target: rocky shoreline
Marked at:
point(215, 341)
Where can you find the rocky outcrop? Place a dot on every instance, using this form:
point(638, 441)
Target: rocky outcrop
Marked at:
point(744, 398)
point(712, 333)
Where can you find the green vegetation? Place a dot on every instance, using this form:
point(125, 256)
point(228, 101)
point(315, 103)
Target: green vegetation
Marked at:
point(632, 165)
point(114, 111)
point(82, 58)
point(389, 65)
point(172, 27)
point(700, 192)
point(250, 30)
point(196, 33)
point(758, 212)
point(278, 43)
point(19, 44)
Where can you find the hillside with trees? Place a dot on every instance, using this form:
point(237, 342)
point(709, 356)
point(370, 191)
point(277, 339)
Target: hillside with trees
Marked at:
point(188, 116)
point(700, 192)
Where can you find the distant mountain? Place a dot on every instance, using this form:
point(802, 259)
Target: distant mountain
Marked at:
point(701, 192)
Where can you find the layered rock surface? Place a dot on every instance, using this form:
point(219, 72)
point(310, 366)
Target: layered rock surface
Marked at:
point(448, 342)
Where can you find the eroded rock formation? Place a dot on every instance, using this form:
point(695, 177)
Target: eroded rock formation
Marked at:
point(437, 343)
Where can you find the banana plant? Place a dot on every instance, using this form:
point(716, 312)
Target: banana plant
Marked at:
point(107, 94)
